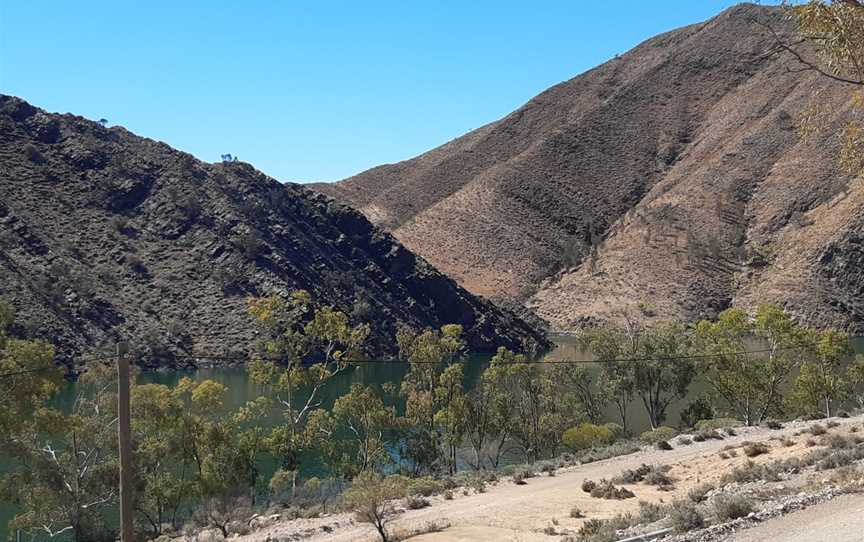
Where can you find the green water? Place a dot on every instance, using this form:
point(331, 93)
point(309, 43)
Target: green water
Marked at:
point(241, 390)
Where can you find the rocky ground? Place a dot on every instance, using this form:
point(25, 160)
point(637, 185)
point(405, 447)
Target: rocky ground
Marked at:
point(540, 510)
point(106, 235)
point(669, 182)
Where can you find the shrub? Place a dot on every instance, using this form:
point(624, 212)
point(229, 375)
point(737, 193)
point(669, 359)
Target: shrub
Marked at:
point(658, 477)
point(729, 507)
point(650, 512)
point(751, 472)
point(607, 490)
point(697, 410)
point(588, 486)
point(549, 467)
point(576, 513)
point(425, 487)
point(817, 430)
point(414, 502)
point(663, 445)
point(371, 499)
point(717, 423)
point(615, 450)
point(633, 476)
point(838, 442)
point(700, 493)
point(755, 449)
point(685, 516)
point(591, 527)
point(840, 459)
point(707, 434)
point(616, 429)
point(587, 435)
point(656, 435)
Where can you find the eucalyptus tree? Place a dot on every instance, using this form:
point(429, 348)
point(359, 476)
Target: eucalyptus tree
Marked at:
point(749, 381)
point(303, 349)
point(822, 382)
point(666, 371)
point(429, 353)
point(65, 471)
point(652, 364)
point(357, 436)
point(615, 348)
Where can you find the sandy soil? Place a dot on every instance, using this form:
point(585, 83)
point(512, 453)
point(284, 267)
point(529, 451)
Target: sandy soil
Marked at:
point(520, 512)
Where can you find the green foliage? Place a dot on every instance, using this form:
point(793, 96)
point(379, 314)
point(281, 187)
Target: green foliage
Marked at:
point(32, 377)
point(697, 410)
point(356, 435)
point(649, 363)
point(434, 398)
point(821, 383)
point(749, 384)
point(587, 435)
point(372, 497)
point(64, 472)
point(855, 375)
point(304, 348)
point(835, 29)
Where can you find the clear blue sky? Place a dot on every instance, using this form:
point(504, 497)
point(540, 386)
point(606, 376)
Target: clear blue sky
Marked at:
point(315, 90)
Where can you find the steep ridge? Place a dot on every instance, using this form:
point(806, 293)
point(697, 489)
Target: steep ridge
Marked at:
point(669, 182)
point(104, 234)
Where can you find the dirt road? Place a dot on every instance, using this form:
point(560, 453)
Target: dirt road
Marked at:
point(838, 520)
point(521, 512)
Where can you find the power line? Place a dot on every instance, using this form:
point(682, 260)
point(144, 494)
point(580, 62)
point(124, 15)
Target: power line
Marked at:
point(214, 357)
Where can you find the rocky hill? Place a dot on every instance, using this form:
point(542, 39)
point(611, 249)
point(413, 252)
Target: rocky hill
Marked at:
point(669, 182)
point(105, 234)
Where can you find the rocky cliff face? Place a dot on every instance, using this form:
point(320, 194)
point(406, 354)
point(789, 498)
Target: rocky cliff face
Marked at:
point(105, 234)
point(670, 182)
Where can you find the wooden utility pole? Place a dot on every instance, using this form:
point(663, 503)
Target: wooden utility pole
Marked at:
point(125, 444)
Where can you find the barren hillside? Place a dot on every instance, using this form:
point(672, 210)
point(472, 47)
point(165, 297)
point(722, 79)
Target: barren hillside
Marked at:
point(107, 235)
point(668, 182)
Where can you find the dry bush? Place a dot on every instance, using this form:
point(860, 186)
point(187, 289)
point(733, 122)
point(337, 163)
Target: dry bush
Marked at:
point(606, 490)
point(414, 502)
point(650, 512)
point(685, 516)
point(756, 449)
point(700, 493)
point(817, 430)
point(729, 507)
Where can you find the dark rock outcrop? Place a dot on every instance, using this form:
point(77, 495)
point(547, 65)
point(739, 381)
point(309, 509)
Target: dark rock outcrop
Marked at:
point(104, 234)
